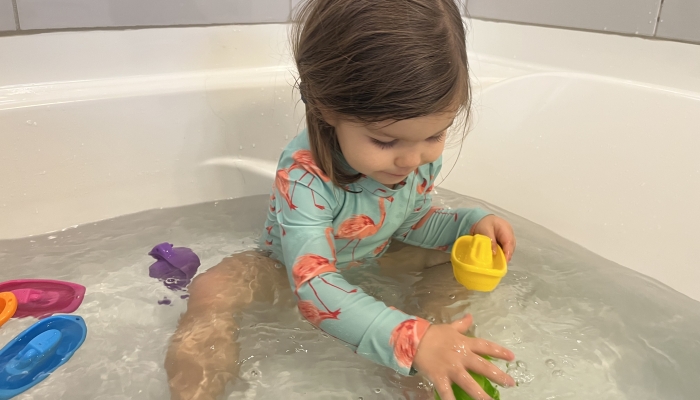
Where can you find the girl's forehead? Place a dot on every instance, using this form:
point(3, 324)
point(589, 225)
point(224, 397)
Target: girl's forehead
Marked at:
point(415, 128)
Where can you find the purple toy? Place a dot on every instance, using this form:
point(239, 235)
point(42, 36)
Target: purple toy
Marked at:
point(176, 266)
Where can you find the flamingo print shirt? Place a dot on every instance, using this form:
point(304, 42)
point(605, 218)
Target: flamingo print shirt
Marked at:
point(314, 226)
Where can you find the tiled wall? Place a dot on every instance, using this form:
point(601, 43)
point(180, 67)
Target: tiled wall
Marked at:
point(621, 16)
point(668, 19)
point(680, 20)
point(56, 14)
point(71, 14)
point(7, 16)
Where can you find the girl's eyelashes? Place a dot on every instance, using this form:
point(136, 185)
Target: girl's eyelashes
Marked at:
point(387, 145)
point(438, 138)
point(384, 145)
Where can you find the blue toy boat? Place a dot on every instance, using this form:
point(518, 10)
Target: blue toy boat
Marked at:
point(39, 350)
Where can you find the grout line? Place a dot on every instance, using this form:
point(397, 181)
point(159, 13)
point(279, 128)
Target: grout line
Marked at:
point(27, 32)
point(467, 18)
point(631, 35)
point(658, 17)
point(16, 11)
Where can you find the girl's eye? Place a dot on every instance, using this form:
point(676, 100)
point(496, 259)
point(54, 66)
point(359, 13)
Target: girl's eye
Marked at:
point(384, 145)
point(438, 138)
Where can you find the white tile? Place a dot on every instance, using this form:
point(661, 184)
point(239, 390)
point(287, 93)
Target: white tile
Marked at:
point(461, 3)
point(462, 6)
point(295, 7)
point(622, 16)
point(680, 19)
point(7, 16)
point(56, 14)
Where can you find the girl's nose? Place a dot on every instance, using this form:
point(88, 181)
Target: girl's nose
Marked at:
point(408, 159)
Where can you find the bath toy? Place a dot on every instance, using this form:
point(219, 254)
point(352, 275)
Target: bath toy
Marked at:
point(39, 350)
point(42, 297)
point(482, 381)
point(474, 264)
point(175, 266)
point(8, 306)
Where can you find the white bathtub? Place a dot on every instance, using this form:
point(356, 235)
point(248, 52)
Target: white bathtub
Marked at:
point(594, 136)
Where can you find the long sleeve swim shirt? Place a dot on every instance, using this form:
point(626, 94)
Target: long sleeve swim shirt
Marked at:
point(313, 226)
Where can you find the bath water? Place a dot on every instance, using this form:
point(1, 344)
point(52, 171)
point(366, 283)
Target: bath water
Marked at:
point(582, 327)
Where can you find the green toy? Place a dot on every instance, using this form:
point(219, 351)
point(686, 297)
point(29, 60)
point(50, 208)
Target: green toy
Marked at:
point(482, 381)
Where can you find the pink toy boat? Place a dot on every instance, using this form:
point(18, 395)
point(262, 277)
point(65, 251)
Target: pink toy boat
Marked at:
point(41, 298)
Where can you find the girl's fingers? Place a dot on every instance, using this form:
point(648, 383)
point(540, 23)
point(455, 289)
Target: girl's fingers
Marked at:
point(506, 238)
point(466, 382)
point(508, 249)
point(484, 347)
point(462, 325)
point(490, 371)
point(444, 388)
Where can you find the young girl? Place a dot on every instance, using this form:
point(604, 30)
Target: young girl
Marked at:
point(382, 81)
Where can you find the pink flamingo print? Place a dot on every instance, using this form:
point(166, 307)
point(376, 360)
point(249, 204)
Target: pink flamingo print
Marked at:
point(359, 227)
point(431, 211)
point(405, 338)
point(303, 159)
point(425, 218)
point(380, 248)
point(423, 190)
point(446, 212)
point(269, 231)
point(390, 198)
point(335, 286)
point(309, 311)
point(282, 185)
point(272, 203)
point(308, 266)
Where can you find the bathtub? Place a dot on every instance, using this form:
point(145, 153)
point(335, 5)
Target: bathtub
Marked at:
point(590, 135)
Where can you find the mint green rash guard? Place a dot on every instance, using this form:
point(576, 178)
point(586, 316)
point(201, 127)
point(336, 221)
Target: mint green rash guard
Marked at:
point(312, 226)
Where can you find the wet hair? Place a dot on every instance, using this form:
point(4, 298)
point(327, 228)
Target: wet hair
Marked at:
point(376, 60)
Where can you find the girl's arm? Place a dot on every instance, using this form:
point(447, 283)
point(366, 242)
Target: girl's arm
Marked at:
point(435, 227)
point(382, 334)
point(438, 228)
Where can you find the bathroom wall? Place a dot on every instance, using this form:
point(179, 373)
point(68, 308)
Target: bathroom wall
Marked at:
point(680, 20)
point(72, 14)
point(7, 16)
point(664, 19)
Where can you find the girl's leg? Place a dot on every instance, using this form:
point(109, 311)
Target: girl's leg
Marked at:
point(203, 353)
point(437, 288)
point(402, 258)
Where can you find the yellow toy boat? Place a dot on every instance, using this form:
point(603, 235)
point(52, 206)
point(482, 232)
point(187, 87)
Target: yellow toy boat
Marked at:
point(474, 264)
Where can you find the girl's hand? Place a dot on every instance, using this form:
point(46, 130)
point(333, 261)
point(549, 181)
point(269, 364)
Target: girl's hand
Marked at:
point(445, 355)
point(500, 231)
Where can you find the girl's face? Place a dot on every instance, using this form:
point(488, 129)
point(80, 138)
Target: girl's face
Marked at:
point(389, 151)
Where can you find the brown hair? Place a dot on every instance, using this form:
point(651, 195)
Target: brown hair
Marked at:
point(377, 60)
